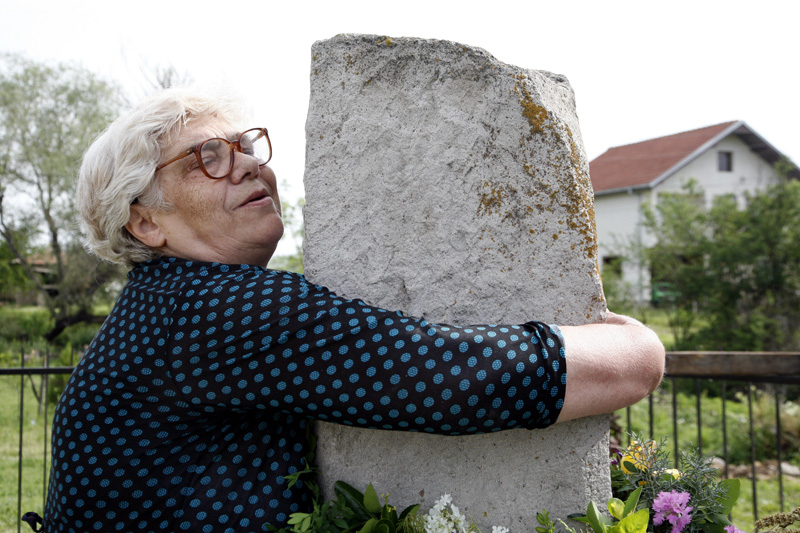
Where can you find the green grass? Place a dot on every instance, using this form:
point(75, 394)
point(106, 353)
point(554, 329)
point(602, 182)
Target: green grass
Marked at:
point(769, 499)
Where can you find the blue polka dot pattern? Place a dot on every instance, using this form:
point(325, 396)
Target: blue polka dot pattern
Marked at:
point(190, 406)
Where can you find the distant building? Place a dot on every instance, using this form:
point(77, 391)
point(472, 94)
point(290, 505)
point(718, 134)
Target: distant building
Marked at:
point(728, 158)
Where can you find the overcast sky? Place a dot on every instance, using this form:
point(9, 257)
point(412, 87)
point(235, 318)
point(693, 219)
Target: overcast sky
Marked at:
point(639, 69)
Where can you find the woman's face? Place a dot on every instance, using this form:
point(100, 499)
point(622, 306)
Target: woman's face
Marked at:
point(236, 219)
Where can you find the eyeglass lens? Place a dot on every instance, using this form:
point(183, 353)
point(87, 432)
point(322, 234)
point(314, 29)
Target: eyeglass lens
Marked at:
point(216, 154)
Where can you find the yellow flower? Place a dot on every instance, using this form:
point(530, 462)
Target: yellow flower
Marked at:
point(674, 472)
point(635, 456)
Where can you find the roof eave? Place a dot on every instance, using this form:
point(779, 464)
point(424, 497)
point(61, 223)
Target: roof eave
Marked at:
point(628, 190)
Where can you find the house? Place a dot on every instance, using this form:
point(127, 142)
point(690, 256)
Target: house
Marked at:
point(728, 158)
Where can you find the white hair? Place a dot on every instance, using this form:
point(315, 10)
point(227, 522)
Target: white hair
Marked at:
point(119, 168)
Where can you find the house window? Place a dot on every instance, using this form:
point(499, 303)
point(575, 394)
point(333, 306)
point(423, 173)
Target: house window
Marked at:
point(725, 161)
point(612, 264)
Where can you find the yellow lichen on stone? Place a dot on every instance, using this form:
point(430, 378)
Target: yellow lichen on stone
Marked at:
point(492, 197)
point(387, 41)
point(349, 62)
point(563, 156)
point(537, 115)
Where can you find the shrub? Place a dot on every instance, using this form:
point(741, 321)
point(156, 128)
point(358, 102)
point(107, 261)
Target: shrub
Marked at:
point(23, 324)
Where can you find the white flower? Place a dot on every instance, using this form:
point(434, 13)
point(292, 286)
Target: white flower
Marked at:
point(444, 517)
point(499, 529)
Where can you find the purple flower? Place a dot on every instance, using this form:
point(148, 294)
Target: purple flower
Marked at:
point(733, 529)
point(671, 506)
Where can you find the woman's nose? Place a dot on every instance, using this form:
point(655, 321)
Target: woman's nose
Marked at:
point(244, 167)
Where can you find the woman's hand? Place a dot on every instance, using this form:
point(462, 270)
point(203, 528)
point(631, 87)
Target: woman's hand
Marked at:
point(610, 365)
point(621, 320)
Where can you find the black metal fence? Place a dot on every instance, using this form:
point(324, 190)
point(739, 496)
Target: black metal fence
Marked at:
point(726, 370)
point(27, 373)
point(773, 374)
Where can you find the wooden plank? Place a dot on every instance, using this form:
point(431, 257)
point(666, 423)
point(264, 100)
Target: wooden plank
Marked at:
point(757, 366)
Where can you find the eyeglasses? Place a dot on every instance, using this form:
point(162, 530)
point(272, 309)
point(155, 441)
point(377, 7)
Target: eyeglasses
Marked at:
point(215, 156)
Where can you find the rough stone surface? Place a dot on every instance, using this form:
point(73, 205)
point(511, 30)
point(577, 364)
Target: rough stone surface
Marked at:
point(447, 184)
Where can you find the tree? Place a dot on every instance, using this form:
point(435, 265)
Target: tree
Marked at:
point(12, 275)
point(48, 117)
point(737, 268)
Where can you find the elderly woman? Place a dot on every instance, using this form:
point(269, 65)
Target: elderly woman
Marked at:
point(191, 404)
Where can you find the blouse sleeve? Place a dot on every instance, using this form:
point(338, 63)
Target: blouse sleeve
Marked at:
point(270, 340)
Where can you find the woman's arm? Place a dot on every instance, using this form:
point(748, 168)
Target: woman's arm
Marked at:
point(610, 366)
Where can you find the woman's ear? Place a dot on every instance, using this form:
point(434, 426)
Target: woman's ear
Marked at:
point(143, 226)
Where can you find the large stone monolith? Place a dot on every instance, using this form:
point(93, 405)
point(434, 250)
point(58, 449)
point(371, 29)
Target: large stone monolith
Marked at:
point(447, 184)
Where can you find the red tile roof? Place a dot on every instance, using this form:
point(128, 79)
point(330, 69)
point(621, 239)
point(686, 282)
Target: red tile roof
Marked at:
point(642, 163)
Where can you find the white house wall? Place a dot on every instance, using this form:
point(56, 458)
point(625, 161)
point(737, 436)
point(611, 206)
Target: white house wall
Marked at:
point(750, 172)
point(619, 227)
point(617, 217)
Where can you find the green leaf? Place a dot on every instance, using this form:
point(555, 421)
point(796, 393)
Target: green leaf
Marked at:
point(719, 519)
point(384, 526)
point(616, 508)
point(597, 520)
point(714, 528)
point(369, 526)
point(409, 511)
point(632, 502)
point(353, 499)
point(732, 494)
point(296, 518)
point(578, 517)
point(371, 501)
point(631, 467)
point(635, 523)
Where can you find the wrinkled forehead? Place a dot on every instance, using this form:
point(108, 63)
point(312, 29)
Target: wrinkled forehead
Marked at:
point(195, 130)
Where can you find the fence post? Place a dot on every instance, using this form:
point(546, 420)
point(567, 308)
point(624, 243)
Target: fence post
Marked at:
point(21, 417)
point(752, 448)
point(675, 421)
point(778, 391)
point(45, 394)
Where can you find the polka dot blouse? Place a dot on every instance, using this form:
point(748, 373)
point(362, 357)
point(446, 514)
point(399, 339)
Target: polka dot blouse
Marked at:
point(190, 406)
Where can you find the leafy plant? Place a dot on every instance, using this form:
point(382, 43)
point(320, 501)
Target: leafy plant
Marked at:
point(646, 468)
point(624, 516)
point(546, 525)
point(350, 512)
point(354, 511)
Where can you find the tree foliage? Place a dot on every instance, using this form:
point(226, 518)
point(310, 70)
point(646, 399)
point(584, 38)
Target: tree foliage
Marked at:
point(12, 275)
point(292, 214)
point(737, 268)
point(48, 117)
